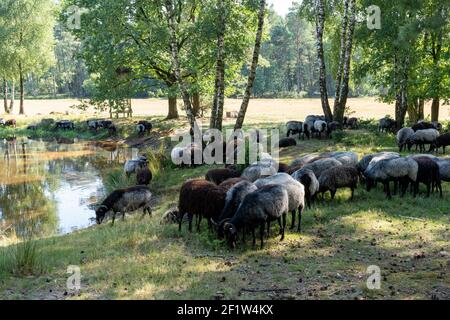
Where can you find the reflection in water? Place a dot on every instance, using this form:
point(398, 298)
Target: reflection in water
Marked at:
point(52, 185)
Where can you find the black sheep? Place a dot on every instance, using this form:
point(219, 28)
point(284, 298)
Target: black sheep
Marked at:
point(427, 174)
point(217, 176)
point(441, 142)
point(422, 126)
point(143, 174)
point(287, 142)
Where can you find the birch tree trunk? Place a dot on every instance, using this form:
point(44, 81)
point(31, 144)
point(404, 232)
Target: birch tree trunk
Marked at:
point(22, 92)
point(252, 75)
point(347, 62)
point(320, 23)
point(340, 69)
point(13, 93)
point(5, 95)
point(170, 7)
point(219, 89)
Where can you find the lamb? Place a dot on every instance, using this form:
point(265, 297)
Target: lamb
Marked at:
point(442, 141)
point(294, 127)
point(143, 174)
point(217, 176)
point(403, 170)
point(258, 171)
point(296, 192)
point(287, 142)
point(352, 123)
point(309, 180)
point(201, 198)
point(428, 174)
point(321, 165)
point(423, 137)
point(387, 125)
point(233, 200)
point(320, 127)
point(125, 201)
point(131, 166)
point(402, 137)
point(338, 177)
point(270, 203)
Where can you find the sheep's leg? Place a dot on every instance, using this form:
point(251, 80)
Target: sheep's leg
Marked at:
point(261, 235)
point(293, 220)
point(280, 224)
point(300, 213)
point(181, 216)
point(254, 237)
point(123, 216)
point(388, 190)
point(439, 186)
point(395, 187)
point(416, 189)
point(199, 222)
point(190, 218)
point(114, 218)
point(353, 193)
point(333, 194)
point(428, 189)
point(284, 226)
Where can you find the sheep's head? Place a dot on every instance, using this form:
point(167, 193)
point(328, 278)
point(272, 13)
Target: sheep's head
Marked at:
point(231, 234)
point(100, 214)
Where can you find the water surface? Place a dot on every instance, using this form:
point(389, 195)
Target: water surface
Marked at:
point(53, 185)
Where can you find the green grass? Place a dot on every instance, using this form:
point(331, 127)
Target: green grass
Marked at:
point(144, 259)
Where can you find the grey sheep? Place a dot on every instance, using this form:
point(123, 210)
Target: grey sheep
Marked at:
point(402, 137)
point(233, 200)
point(258, 171)
point(309, 180)
point(294, 127)
point(387, 125)
point(296, 192)
point(270, 203)
point(423, 137)
point(303, 160)
point(402, 170)
point(321, 165)
point(337, 178)
point(320, 127)
point(444, 168)
point(344, 157)
point(124, 201)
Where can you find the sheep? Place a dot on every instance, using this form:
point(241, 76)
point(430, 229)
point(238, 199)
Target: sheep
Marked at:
point(258, 171)
point(336, 178)
point(321, 165)
point(294, 127)
point(201, 198)
point(64, 125)
point(332, 127)
point(346, 158)
point(143, 174)
point(303, 160)
point(422, 125)
point(387, 125)
point(146, 124)
point(402, 137)
point(308, 126)
point(287, 142)
point(131, 166)
point(171, 216)
point(363, 164)
point(428, 174)
point(403, 170)
point(10, 123)
point(442, 141)
point(309, 180)
point(295, 190)
point(423, 137)
point(233, 200)
point(94, 124)
point(444, 168)
point(270, 203)
point(320, 127)
point(217, 176)
point(352, 123)
point(124, 201)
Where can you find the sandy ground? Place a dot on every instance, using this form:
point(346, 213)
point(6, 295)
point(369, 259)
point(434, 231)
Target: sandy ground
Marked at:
point(260, 109)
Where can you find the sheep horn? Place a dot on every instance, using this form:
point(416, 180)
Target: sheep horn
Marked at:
point(214, 223)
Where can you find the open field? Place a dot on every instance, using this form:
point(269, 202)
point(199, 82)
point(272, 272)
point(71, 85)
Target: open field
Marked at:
point(262, 110)
point(407, 238)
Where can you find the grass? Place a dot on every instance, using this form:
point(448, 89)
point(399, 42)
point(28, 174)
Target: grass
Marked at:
point(144, 259)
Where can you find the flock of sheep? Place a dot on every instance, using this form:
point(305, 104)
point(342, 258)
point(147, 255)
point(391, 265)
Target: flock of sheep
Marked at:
point(239, 201)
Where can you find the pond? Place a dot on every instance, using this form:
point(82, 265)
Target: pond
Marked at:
point(53, 185)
